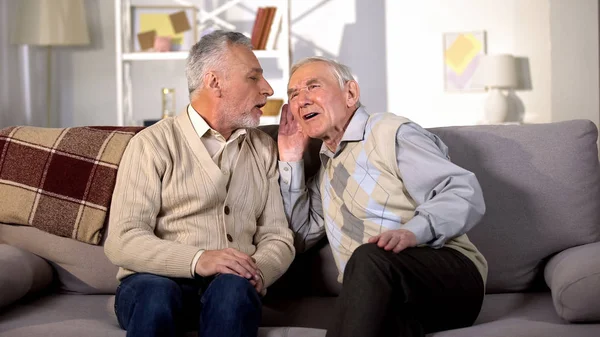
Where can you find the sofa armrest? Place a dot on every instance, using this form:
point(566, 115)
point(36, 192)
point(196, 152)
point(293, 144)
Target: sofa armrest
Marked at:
point(573, 276)
point(21, 273)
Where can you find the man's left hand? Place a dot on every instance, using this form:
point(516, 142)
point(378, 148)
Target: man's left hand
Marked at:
point(258, 284)
point(396, 240)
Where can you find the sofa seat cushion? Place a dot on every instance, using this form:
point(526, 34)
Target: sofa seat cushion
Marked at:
point(80, 268)
point(21, 273)
point(511, 314)
point(521, 314)
point(88, 315)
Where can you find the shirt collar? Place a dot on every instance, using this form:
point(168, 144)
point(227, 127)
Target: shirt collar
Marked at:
point(202, 128)
point(354, 132)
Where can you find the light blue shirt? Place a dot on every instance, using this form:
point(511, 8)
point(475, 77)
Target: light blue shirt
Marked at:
point(449, 198)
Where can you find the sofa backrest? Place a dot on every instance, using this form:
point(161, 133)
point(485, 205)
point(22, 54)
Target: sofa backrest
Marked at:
point(541, 184)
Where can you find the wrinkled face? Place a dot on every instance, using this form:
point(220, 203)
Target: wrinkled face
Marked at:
point(244, 89)
point(317, 102)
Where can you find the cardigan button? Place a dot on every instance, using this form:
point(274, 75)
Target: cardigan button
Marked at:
point(229, 238)
point(226, 210)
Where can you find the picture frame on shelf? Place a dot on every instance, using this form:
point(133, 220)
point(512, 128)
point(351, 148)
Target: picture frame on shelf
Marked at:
point(163, 28)
point(462, 55)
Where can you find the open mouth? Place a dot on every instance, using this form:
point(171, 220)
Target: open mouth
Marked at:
point(310, 116)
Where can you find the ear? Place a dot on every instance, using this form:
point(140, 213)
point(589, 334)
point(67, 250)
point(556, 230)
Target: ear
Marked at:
point(352, 93)
point(212, 83)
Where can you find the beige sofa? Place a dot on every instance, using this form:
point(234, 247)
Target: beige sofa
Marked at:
point(541, 236)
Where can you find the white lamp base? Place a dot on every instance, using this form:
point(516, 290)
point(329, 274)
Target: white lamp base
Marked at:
point(496, 107)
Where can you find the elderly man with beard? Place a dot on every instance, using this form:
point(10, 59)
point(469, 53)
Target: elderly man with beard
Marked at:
point(197, 225)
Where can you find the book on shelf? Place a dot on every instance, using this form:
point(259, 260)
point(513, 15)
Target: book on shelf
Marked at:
point(266, 28)
point(257, 27)
point(271, 43)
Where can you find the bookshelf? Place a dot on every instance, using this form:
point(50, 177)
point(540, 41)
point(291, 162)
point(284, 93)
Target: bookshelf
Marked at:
point(126, 58)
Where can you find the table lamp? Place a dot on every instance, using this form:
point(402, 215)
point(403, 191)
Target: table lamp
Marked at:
point(500, 73)
point(50, 23)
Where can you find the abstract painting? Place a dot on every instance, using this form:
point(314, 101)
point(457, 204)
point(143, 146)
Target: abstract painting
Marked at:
point(463, 53)
point(152, 24)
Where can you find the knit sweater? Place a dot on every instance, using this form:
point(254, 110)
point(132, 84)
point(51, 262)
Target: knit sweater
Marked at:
point(364, 194)
point(171, 200)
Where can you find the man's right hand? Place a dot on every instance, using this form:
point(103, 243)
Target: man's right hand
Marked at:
point(291, 141)
point(227, 261)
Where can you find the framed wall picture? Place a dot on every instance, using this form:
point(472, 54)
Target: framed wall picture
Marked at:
point(163, 28)
point(463, 53)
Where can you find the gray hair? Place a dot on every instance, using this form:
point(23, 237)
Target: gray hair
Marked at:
point(340, 71)
point(209, 53)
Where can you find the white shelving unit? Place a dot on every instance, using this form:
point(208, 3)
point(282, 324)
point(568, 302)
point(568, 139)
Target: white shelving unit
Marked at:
point(125, 58)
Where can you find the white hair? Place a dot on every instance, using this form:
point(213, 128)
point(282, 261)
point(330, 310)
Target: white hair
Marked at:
point(341, 72)
point(209, 53)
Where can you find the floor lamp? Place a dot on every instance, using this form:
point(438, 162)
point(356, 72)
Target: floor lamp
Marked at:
point(50, 23)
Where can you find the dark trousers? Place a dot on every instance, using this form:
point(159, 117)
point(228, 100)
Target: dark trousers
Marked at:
point(151, 305)
point(417, 291)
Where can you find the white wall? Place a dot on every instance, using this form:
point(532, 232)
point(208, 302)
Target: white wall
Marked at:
point(351, 31)
point(19, 103)
point(415, 55)
point(87, 94)
point(393, 46)
point(575, 47)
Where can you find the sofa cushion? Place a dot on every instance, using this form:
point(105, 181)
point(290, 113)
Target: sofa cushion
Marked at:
point(541, 185)
point(82, 315)
point(60, 180)
point(21, 273)
point(574, 278)
point(81, 268)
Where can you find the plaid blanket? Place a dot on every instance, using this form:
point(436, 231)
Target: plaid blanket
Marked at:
point(60, 180)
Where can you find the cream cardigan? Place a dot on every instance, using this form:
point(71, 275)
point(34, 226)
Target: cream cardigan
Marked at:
point(171, 200)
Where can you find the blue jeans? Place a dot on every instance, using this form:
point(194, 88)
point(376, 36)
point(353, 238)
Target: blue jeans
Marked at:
point(151, 305)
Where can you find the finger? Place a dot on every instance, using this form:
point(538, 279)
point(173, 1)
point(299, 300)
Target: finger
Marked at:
point(247, 258)
point(283, 120)
point(383, 240)
point(374, 239)
point(223, 269)
point(402, 245)
point(252, 270)
point(289, 118)
point(241, 255)
point(394, 241)
point(238, 268)
point(259, 287)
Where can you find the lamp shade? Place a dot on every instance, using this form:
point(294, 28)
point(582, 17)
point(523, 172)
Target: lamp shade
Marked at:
point(500, 71)
point(51, 23)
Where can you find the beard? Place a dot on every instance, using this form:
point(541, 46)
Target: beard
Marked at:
point(235, 120)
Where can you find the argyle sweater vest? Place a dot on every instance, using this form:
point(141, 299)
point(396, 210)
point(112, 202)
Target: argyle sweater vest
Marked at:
point(364, 195)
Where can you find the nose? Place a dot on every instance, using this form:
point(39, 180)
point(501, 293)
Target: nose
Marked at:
point(266, 88)
point(304, 98)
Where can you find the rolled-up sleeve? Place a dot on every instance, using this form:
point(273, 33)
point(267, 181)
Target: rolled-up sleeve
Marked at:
point(449, 198)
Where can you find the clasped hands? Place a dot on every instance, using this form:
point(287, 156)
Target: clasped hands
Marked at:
point(230, 261)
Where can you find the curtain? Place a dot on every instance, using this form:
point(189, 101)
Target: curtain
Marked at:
point(22, 76)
